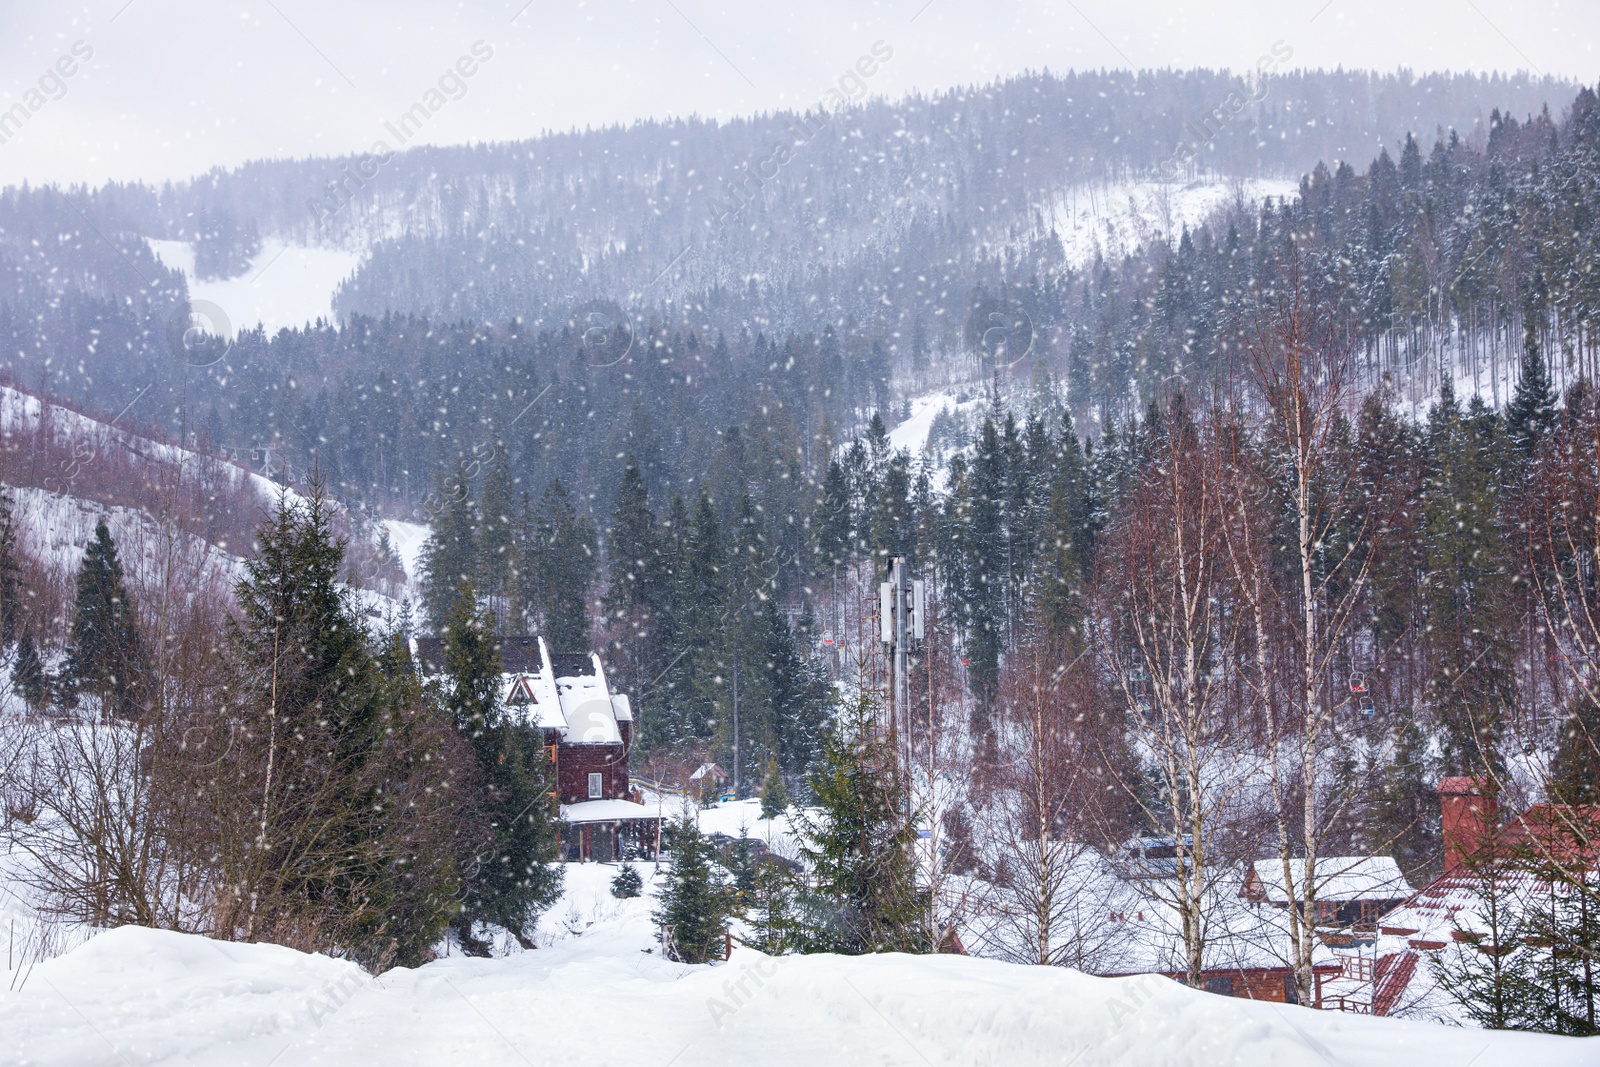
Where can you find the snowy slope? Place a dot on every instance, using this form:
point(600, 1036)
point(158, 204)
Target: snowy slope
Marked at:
point(23, 414)
point(408, 539)
point(599, 994)
point(285, 287)
point(55, 528)
point(1114, 219)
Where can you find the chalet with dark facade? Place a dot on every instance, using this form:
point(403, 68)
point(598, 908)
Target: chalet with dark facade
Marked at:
point(1350, 890)
point(587, 731)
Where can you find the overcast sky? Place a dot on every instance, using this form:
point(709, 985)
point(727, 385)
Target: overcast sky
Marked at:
point(171, 88)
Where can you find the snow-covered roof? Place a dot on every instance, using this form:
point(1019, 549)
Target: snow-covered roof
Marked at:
point(1338, 878)
point(564, 693)
point(1239, 935)
point(1131, 927)
point(609, 811)
point(1399, 983)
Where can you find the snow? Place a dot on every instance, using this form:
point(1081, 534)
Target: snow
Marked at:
point(598, 992)
point(1339, 878)
point(1115, 219)
point(285, 287)
point(408, 539)
point(55, 529)
point(609, 811)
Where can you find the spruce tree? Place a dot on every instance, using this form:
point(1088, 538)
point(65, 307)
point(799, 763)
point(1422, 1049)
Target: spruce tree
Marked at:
point(1465, 585)
point(496, 536)
point(831, 525)
point(565, 560)
point(1531, 412)
point(859, 844)
point(699, 599)
point(515, 875)
point(633, 548)
point(693, 910)
point(450, 556)
point(776, 911)
point(28, 674)
point(628, 883)
point(774, 797)
point(637, 566)
point(336, 803)
point(105, 654)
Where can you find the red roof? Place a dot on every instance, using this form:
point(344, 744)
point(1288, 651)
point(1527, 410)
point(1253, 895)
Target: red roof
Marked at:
point(1394, 974)
point(1460, 785)
point(1562, 833)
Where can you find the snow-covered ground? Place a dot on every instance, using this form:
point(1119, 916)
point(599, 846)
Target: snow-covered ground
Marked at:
point(286, 286)
point(912, 433)
point(408, 539)
point(734, 817)
point(598, 992)
point(1115, 219)
point(55, 529)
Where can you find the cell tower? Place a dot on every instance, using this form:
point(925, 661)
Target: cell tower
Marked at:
point(902, 615)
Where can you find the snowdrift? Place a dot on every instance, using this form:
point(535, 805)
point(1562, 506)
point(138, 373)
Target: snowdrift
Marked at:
point(141, 996)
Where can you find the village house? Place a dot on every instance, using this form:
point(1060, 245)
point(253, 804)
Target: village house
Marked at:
point(1386, 972)
point(1116, 917)
point(1351, 891)
point(587, 732)
point(1247, 943)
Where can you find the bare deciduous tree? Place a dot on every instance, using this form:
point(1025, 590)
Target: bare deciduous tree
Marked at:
point(1166, 637)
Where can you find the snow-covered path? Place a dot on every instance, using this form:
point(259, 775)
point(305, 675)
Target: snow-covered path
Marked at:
point(594, 996)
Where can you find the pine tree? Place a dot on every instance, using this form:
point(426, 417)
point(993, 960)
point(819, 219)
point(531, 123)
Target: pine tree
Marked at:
point(314, 841)
point(105, 654)
point(776, 911)
point(1465, 586)
point(515, 875)
point(451, 555)
point(1531, 412)
point(565, 559)
point(28, 674)
point(859, 842)
point(774, 797)
point(496, 536)
point(628, 883)
point(693, 911)
point(831, 524)
point(699, 598)
point(988, 561)
point(633, 548)
point(1490, 970)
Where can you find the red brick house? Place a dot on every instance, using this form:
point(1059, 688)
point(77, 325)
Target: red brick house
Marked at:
point(587, 731)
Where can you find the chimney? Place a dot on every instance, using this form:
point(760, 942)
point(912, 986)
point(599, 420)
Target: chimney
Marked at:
point(1467, 810)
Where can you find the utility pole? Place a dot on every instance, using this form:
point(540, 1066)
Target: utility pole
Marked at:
point(901, 613)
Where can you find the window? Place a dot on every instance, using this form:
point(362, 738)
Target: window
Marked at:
point(596, 790)
point(1220, 984)
point(1369, 914)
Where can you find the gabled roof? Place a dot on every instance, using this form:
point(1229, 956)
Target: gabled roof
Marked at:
point(1339, 879)
point(563, 693)
point(1134, 929)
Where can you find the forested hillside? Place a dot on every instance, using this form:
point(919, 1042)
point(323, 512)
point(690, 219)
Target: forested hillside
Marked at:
point(1242, 525)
